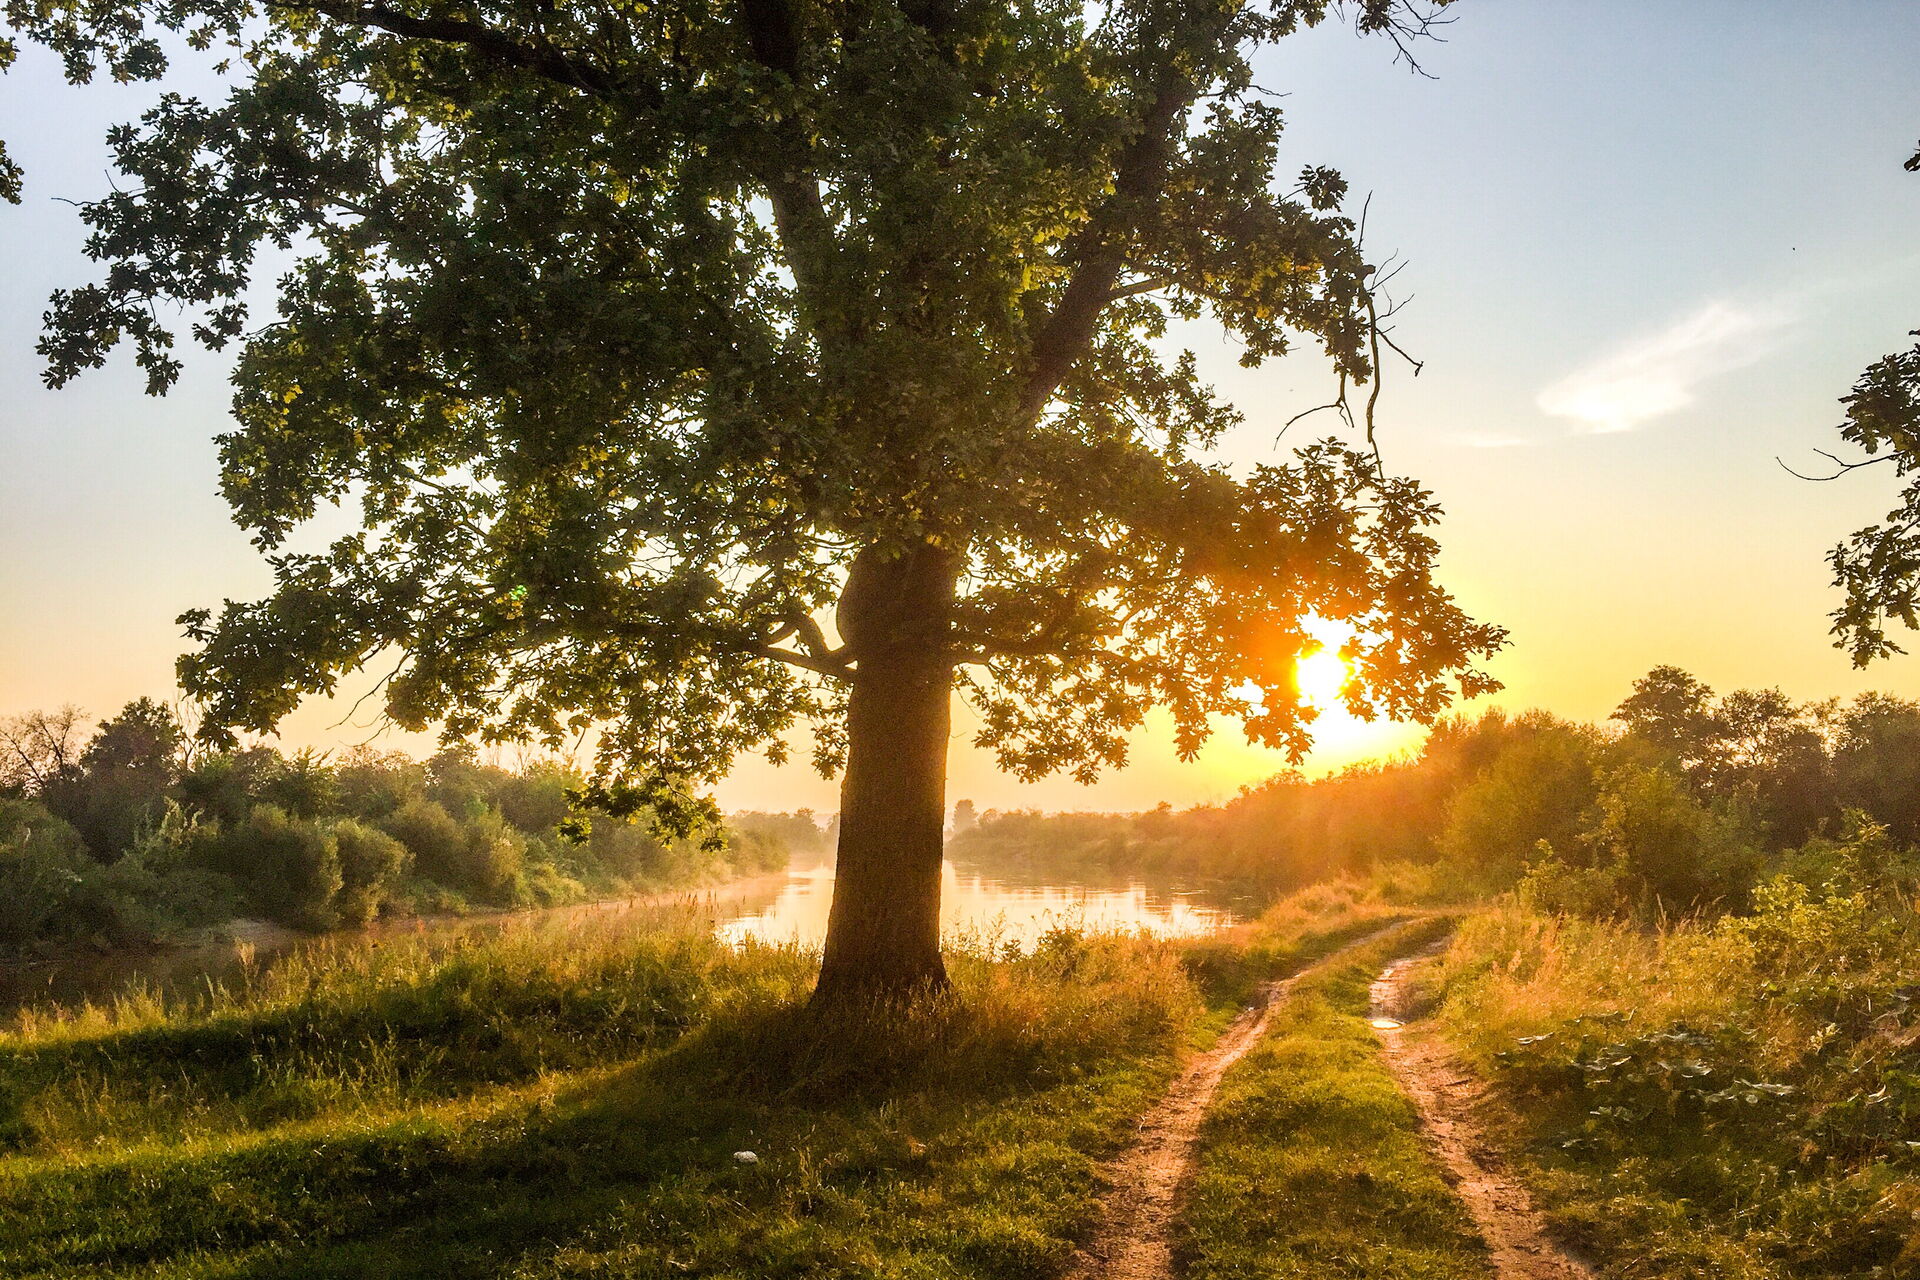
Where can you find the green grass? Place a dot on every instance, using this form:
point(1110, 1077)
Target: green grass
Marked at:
point(523, 1106)
point(1311, 1164)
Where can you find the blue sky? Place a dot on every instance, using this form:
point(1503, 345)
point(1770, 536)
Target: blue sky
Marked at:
point(1648, 246)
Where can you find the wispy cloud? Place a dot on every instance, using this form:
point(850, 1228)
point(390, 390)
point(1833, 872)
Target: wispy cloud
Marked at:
point(1658, 374)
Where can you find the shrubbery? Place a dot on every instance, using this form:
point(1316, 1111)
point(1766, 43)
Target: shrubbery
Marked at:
point(125, 838)
point(1733, 1095)
point(1682, 804)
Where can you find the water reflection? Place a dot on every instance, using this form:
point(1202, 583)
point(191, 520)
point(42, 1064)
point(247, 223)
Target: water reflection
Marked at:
point(1009, 906)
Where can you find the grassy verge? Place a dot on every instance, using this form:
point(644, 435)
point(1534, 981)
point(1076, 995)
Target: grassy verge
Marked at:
point(530, 1107)
point(1311, 1163)
point(1733, 1099)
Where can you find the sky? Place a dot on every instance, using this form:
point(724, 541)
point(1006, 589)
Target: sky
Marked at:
point(1647, 247)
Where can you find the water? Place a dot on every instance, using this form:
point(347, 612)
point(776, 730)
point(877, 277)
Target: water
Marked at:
point(999, 904)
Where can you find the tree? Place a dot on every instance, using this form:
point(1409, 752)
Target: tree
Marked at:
point(1876, 762)
point(130, 768)
point(704, 370)
point(40, 752)
point(1878, 568)
point(1673, 711)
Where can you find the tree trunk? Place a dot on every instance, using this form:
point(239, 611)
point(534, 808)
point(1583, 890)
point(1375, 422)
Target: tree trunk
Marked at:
point(883, 934)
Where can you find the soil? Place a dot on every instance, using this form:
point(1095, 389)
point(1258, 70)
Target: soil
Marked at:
point(1134, 1240)
point(1459, 1119)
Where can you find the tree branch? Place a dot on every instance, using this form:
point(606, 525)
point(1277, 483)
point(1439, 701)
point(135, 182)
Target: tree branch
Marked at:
point(799, 214)
point(1099, 249)
point(535, 54)
point(806, 662)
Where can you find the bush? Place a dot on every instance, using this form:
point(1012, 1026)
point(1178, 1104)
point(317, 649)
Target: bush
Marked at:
point(372, 864)
point(431, 835)
point(1537, 789)
point(43, 863)
point(296, 867)
point(495, 857)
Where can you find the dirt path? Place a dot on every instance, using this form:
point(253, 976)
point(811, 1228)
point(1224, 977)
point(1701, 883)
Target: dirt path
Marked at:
point(1134, 1240)
point(1452, 1103)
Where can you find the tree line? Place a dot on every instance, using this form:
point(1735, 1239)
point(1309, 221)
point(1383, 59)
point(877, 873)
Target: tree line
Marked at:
point(1684, 801)
point(129, 833)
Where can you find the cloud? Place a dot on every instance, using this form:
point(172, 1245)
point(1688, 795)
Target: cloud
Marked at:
point(1657, 375)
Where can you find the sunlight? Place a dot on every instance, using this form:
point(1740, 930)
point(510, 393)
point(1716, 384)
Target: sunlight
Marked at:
point(1321, 676)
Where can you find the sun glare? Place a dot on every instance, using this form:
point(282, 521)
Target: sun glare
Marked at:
point(1320, 676)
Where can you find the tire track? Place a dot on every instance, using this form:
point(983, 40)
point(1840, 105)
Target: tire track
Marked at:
point(1451, 1101)
point(1134, 1238)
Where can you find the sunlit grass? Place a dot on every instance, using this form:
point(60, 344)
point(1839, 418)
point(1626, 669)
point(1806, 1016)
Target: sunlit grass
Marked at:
point(545, 1104)
point(1311, 1163)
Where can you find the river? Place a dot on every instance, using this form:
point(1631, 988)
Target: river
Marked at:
point(997, 905)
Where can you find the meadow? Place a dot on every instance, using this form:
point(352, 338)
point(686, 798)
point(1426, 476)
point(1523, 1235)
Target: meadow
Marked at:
point(489, 1108)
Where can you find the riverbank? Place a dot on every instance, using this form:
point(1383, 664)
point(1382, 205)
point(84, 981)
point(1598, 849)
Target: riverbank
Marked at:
point(517, 1107)
point(220, 953)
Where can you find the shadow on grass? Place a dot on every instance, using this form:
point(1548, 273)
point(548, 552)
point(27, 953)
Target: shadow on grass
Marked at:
point(960, 1140)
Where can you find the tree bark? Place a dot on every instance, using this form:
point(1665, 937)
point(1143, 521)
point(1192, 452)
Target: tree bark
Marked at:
point(883, 933)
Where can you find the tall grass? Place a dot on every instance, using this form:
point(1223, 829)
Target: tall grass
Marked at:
point(1737, 1098)
point(543, 1104)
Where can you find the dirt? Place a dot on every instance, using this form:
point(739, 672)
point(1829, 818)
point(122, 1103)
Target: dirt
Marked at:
point(1459, 1120)
point(1134, 1240)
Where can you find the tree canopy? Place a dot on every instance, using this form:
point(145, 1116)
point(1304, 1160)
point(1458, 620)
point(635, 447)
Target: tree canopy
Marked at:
point(639, 335)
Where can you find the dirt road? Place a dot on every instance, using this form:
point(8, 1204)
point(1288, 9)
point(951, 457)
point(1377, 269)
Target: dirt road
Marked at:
point(1452, 1104)
point(1134, 1240)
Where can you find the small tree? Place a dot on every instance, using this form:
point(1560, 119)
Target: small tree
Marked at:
point(705, 369)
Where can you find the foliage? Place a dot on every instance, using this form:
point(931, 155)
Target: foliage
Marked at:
point(196, 839)
point(639, 339)
point(1538, 787)
point(372, 865)
point(1732, 1097)
point(295, 860)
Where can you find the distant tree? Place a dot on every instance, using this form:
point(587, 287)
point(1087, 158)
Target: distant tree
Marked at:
point(1672, 710)
point(40, 751)
point(642, 336)
point(1538, 788)
point(964, 817)
point(129, 768)
point(1771, 752)
point(373, 784)
point(1756, 747)
point(1876, 762)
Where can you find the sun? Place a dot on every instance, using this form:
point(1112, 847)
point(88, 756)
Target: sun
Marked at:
point(1320, 676)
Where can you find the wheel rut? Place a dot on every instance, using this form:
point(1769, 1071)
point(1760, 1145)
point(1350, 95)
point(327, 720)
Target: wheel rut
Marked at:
point(1453, 1106)
point(1134, 1238)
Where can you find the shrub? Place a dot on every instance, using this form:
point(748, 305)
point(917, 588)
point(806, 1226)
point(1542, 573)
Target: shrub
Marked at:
point(1537, 789)
point(43, 862)
point(372, 864)
point(494, 860)
point(296, 867)
point(431, 835)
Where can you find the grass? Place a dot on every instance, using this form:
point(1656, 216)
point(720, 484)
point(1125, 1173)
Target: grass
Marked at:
point(1311, 1164)
point(1734, 1099)
point(525, 1106)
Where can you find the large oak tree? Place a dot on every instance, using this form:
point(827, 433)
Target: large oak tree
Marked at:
point(702, 369)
